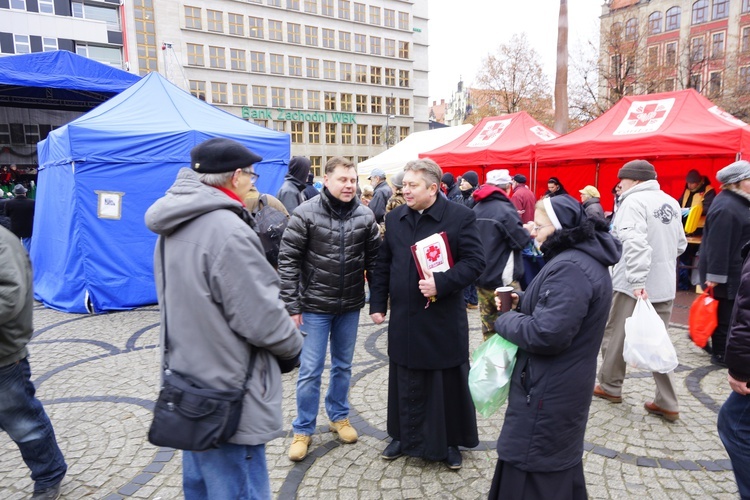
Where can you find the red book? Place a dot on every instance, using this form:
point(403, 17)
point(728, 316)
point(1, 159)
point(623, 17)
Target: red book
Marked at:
point(432, 253)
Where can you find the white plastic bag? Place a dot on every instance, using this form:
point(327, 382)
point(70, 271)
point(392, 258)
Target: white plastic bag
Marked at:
point(647, 343)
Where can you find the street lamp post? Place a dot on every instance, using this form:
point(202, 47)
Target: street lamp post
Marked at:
point(388, 134)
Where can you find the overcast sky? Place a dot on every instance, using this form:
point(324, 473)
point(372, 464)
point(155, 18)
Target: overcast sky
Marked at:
point(462, 33)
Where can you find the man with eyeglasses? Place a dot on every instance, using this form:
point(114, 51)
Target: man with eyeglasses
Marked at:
point(221, 297)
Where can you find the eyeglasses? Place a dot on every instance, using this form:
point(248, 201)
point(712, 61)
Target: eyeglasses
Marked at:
point(537, 228)
point(253, 176)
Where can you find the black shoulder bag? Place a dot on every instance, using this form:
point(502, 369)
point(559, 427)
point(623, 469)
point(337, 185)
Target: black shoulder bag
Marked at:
point(186, 415)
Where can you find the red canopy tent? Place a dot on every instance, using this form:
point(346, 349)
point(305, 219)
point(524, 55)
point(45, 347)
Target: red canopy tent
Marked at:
point(505, 141)
point(676, 131)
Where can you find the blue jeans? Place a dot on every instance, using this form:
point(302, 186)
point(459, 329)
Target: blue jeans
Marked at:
point(229, 471)
point(342, 330)
point(24, 419)
point(734, 430)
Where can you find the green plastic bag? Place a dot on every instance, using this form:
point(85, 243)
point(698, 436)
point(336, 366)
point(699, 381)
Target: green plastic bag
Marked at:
point(489, 377)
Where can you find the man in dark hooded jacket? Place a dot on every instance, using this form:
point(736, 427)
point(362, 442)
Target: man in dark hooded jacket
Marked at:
point(290, 192)
point(450, 187)
point(310, 190)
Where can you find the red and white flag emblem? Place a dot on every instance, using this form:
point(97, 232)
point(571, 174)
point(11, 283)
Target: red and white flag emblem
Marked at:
point(645, 117)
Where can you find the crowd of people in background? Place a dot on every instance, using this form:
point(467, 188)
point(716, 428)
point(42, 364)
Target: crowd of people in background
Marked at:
point(346, 244)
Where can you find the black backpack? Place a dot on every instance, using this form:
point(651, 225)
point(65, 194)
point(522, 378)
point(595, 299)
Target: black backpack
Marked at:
point(269, 224)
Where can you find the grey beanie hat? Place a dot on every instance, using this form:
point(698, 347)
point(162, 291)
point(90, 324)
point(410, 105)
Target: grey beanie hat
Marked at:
point(734, 172)
point(637, 170)
point(397, 180)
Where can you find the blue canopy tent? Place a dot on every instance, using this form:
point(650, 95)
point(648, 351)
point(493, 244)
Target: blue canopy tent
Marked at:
point(98, 174)
point(59, 80)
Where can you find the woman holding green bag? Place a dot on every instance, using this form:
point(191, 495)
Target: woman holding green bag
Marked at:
point(557, 324)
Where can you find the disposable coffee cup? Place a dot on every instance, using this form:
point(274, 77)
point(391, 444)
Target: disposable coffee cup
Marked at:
point(506, 301)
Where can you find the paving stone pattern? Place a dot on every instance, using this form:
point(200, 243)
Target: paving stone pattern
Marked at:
point(97, 376)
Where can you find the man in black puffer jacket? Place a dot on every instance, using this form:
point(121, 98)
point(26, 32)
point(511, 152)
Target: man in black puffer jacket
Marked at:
point(329, 244)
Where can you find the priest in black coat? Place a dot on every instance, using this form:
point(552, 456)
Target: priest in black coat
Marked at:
point(430, 411)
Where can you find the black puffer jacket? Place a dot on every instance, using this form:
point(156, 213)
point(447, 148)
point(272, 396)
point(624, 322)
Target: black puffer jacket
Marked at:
point(324, 255)
point(737, 356)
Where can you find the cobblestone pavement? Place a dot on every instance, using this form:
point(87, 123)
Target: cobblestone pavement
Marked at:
point(98, 375)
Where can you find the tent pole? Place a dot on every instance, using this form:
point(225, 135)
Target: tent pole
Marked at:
point(532, 175)
point(596, 177)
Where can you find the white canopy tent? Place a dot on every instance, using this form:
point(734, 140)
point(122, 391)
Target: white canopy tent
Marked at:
point(393, 160)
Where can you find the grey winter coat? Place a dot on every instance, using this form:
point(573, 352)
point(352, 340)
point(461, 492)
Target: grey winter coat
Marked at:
point(380, 197)
point(324, 256)
point(593, 208)
point(295, 182)
point(16, 299)
point(221, 299)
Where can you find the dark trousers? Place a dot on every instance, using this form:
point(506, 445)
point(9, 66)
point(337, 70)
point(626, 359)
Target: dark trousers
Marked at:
point(719, 337)
point(734, 430)
point(470, 294)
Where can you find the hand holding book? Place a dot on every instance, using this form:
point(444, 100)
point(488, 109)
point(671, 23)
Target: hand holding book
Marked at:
point(431, 254)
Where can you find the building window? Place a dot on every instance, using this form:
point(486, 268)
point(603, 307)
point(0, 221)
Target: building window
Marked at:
point(329, 100)
point(31, 134)
point(376, 104)
point(360, 43)
point(239, 94)
point(390, 105)
point(311, 6)
point(361, 103)
point(361, 135)
point(198, 89)
point(717, 45)
point(329, 70)
point(375, 45)
point(375, 75)
point(49, 44)
point(311, 36)
point(110, 15)
point(389, 19)
point(255, 29)
point(654, 23)
point(145, 36)
point(390, 77)
point(673, 19)
point(274, 3)
point(744, 83)
point(313, 99)
point(345, 40)
point(344, 8)
point(697, 52)
point(193, 18)
point(345, 71)
point(292, 4)
point(745, 43)
point(277, 64)
point(653, 56)
point(313, 132)
point(360, 71)
point(346, 133)
point(403, 107)
point(219, 92)
point(377, 133)
point(277, 97)
point(236, 24)
point(390, 47)
point(721, 9)
point(274, 30)
point(195, 55)
point(4, 133)
point(403, 78)
point(293, 33)
point(215, 20)
point(258, 62)
point(745, 6)
point(260, 95)
point(326, 7)
point(375, 15)
point(295, 98)
point(330, 133)
point(22, 44)
point(279, 126)
point(217, 57)
point(700, 11)
point(46, 6)
point(696, 82)
point(238, 59)
point(714, 84)
point(328, 38)
point(631, 29)
point(359, 12)
point(18, 4)
point(346, 102)
point(313, 68)
point(295, 66)
point(669, 85)
point(403, 133)
point(403, 50)
point(296, 132)
point(403, 20)
point(670, 54)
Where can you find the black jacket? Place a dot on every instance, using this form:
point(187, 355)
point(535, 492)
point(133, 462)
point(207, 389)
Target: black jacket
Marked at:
point(558, 332)
point(324, 255)
point(453, 193)
point(21, 212)
point(466, 199)
point(380, 197)
point(593, 208)
point(726, 231)
point(737, 356)
point(502, 234)
point(436, 337)
point(290, 192)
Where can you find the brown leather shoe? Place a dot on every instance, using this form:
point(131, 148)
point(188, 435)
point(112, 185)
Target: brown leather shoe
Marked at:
point(601, 393)
point(669, 416)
